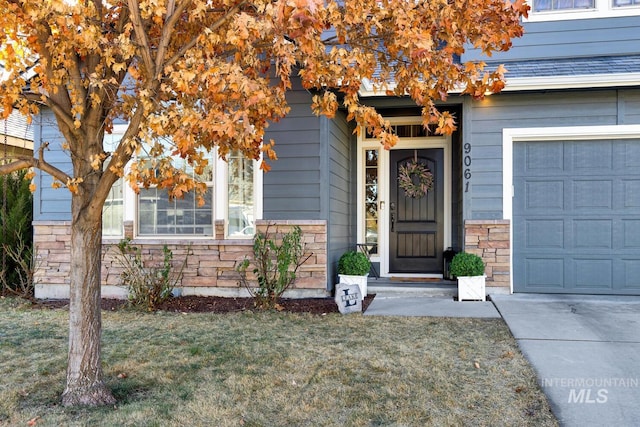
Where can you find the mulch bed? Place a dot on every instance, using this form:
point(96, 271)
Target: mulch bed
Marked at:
point(198, 304)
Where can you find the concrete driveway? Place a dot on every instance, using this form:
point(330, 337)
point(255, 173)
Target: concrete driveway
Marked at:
point(586, 353)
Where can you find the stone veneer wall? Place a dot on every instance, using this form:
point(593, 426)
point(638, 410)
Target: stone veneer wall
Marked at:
point(490, 240)
point(210, 268)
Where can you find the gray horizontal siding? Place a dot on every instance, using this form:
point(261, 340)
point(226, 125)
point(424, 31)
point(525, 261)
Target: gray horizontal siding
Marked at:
point(571, 38)
point(485, 120)
point(341, 191)
point(292, 189)
point(50, 204)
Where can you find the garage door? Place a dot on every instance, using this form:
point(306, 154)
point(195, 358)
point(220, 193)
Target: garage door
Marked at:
point(576, 217)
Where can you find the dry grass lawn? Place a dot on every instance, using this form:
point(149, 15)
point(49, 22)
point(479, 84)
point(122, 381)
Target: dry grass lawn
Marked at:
point(273, 369)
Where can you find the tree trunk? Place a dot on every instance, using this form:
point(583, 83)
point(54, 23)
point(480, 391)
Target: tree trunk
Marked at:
point(84, 370)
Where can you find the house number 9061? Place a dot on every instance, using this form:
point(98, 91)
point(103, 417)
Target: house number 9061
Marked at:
point(467, 165)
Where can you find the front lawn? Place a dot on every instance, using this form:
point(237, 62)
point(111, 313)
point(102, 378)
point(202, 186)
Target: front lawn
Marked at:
point(272, 369)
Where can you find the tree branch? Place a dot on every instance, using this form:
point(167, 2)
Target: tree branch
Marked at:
point(61, 92)
point(180, 53)
point(173, 16)
point(76, 80)
point(38, 163)
point(141, 36)
point(119, 158)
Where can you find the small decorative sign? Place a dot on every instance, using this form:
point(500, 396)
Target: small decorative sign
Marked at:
point(348, 298)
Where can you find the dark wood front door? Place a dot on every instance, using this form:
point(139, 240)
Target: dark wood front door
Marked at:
point(416, 224)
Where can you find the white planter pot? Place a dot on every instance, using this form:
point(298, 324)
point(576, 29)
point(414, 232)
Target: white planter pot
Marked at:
point(361, 281)
point(471, 288)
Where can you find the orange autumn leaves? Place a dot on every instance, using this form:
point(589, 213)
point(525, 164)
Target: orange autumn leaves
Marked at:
point(205, 74)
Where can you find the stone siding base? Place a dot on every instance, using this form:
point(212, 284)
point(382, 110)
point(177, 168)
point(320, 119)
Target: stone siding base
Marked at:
point(490, 239)
point(209, 270)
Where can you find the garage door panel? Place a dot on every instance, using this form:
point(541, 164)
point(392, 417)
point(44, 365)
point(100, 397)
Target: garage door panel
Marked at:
point(630, 154)
point(589, 273)
point(545, 273)
point(631, 234)
point(591, 155)
point(630, 273)
point(591, 234)
point(576, 220)
point(544, 195)
point(630, 193)
point(543, 159)
point(592, 194)
point(544, 234)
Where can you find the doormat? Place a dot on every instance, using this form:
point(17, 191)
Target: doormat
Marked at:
point(416, 279)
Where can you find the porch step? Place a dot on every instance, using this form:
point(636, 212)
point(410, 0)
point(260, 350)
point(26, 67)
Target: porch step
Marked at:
point(384, 288)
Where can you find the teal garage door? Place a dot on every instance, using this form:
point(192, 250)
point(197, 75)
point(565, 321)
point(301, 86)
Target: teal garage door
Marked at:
point(576, 217)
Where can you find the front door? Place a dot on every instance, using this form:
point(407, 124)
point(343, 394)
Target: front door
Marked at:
point(416, 228)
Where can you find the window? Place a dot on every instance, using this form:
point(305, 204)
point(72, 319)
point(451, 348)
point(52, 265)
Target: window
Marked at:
point(155, 214)
point(240, 196)
point(557, 10)
point(158, 214)
point(548, 5)
point(113, 209)
point(624, 3)
point(371, 199)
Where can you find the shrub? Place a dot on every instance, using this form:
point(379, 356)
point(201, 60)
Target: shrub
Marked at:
point(148, 286)
point(354, 263)
point(467, 264)
point(16, 235)
point(275, 266)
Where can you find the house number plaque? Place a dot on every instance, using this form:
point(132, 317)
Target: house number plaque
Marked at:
point(467, 165)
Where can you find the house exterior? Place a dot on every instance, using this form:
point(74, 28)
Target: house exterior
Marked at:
point(16, 136)
point(541, 180)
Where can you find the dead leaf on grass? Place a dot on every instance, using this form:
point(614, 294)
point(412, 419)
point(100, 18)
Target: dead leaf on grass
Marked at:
point(507, 355)
point(33, 421)
point(122, 375)
point(476, 364)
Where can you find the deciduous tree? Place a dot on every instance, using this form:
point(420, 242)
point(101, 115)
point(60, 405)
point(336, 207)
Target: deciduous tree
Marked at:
point(214, 73)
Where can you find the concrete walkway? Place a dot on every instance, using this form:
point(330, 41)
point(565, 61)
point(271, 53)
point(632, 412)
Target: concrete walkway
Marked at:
point(411, 303)
point(585, 351)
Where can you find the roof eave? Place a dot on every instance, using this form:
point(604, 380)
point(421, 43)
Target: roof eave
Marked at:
point(521, 84)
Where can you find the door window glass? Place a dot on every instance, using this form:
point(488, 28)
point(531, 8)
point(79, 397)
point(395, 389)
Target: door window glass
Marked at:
point(371, 200)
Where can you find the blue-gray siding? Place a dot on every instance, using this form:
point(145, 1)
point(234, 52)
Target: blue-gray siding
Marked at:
point(340, 178)
point(485, 120)
point(50, 204)
point(571, 38)
point(292, 187)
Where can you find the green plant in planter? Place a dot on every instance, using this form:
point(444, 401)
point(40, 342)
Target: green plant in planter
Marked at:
point(466, 264)
point(353, 263)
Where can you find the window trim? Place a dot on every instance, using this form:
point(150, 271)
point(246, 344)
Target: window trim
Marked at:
point(222, 194)
point(603, 9)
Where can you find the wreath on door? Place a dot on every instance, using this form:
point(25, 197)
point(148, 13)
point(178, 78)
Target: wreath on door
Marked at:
point(415, 179)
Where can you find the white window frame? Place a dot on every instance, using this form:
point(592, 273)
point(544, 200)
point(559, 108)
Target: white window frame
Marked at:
point(222, 194)
point(602, 9)
point(219, 202)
